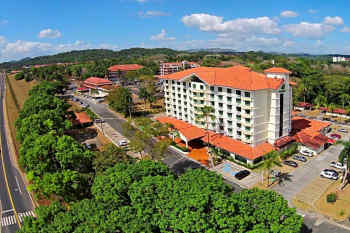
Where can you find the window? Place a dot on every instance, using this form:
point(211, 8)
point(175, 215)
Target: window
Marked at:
point(247, 94)
point(212, 96)
point(173, 82)
point(221, 120)
point(238, 92)
point(219, 89)
point(178, 95)
point(185, 96)
point(202, 101)
point(247, 137)
point(238, 101)
point(239, 133)
point(220, 97)
point(247, 103)
point(238, 118)
point(195, 101)
point(178, 89)
point(283, 87)
point(185, 103)
point(238, 109)
point(229, 107)
point(201, 94)
point(247, 120)
point(221, 112)
point(229, 115)
point(213, 125)
point(194, 86)
point(229, 99)
point(229, 123)
point(247, 128)
point(212, 88)
point(221, 105)
point(173, 88)
point(202, 87)
point(229, 90)
point(247, 111)
point(239, 125)
point(212, 103)
point(221, 127)
point(229, 130)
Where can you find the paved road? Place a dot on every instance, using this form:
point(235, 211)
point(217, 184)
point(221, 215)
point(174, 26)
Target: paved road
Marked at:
point(21, 199)
point(304, 175)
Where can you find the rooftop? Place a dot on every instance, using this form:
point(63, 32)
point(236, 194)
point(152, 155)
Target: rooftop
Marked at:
point(82, 118)
point(239, 77)
point(229, 144)
point(277, 70)
point(98, 81)
point(126, 67)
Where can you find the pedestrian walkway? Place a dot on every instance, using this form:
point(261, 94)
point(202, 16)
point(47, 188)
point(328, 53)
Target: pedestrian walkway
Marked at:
point(11, 219)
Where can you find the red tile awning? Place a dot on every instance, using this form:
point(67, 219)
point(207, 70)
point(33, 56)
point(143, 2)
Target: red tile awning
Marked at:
point(304, 105)
point(339, 111)
point(283, 141)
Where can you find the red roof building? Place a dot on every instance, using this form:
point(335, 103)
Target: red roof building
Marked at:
point(125, 68)
point(82, 118)
point(340, 111)
point(277, 70)
point(244, 77)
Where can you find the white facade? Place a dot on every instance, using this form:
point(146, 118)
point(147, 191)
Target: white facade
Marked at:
point(172, 67)
point(338, 59)
point(252, 117)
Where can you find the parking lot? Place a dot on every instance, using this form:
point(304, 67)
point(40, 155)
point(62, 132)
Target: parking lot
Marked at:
point(228, 170)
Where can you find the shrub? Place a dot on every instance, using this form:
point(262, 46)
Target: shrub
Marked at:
point(332, 197)
point(341, 213)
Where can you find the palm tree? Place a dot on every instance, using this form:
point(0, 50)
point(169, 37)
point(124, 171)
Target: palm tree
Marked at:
point(344, 158)
point(305, 83)
point(320, 101)
point(345, 98)
point(271, 159)
point(206, 114)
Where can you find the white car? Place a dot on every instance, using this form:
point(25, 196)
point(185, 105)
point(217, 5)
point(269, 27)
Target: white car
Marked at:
point(329, 175)
point(307, 153)
point(123, 143)
point(337, 165)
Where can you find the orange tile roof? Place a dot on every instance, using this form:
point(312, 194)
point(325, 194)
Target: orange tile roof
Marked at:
point(277, 70)
point(82, 117)
point(227, 143)
point(238, 77)
point(308, 132)
point(126, 67)
point(234, 146)
point(190, 132)
point(98, 81)
point(292, 83)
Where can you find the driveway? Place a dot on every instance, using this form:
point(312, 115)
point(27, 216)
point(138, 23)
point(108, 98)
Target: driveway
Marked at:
point(306, 174)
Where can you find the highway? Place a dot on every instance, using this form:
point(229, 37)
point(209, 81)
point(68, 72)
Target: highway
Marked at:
point(15, 201)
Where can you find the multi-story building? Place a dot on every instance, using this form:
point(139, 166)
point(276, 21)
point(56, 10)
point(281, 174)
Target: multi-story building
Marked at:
point(250, 107)
point(116, 73)
point(172, 67)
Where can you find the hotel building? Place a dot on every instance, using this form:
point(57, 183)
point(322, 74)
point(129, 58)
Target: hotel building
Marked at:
point(172, 67)
point(252, 110)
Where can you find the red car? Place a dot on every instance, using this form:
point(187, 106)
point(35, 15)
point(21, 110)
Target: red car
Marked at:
point(335, 136)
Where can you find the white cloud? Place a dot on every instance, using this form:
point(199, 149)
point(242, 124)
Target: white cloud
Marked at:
point(49, 33)
point(345, 29)
point(312, 11)
point(3, 21)
point(336, 20)
point(288, 43)
point(152, 13)
point(161, 36)
point(309, 30)
point(289, 14)
point(212, 23)
point(2, 40)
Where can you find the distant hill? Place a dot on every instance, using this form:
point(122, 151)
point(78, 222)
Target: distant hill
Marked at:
point(212, 50)
point(88, 55)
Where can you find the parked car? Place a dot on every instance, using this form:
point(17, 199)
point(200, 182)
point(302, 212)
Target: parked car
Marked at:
point(337, 165)
point(300, 158)
point(275, 173)
point(307, 153)
point(123, 143)
point(343, 130)
point(290, 163)
point(98, 120)
point(331, 170)
point(329, 175)
point(335, 136)
point(242, 174)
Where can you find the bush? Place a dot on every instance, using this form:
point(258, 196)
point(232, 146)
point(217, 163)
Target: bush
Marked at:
point(332, 197)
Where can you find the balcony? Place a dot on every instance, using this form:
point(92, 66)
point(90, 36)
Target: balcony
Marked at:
point(246, 115)
point(247, 106)
point(245, 123)
point(248, 132)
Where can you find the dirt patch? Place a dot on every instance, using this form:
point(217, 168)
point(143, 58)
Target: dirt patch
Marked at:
point(16, 94)
point(340, 210)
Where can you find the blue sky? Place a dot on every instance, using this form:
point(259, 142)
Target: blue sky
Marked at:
point(38, 27)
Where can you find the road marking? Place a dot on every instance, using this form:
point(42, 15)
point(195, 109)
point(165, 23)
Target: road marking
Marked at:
point(6, 181)
point(6, 211)
point(11, 220)
point(19, 187)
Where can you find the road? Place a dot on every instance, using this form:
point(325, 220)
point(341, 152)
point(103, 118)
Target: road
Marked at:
point(14, 197)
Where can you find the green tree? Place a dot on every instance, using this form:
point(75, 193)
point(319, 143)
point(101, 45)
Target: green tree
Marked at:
point(143, 94)
point(321, 101)
point(120, 100)
point(207, 114)
point(271, 160)
point(345, 98)
point(109, 156)
point(344, 158)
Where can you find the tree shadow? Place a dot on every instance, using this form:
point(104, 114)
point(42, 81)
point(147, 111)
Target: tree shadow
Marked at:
point(305, 229)
point(283, 177)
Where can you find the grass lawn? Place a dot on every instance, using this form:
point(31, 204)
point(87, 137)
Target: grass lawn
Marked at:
point(16, 94)
point(339, 210)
